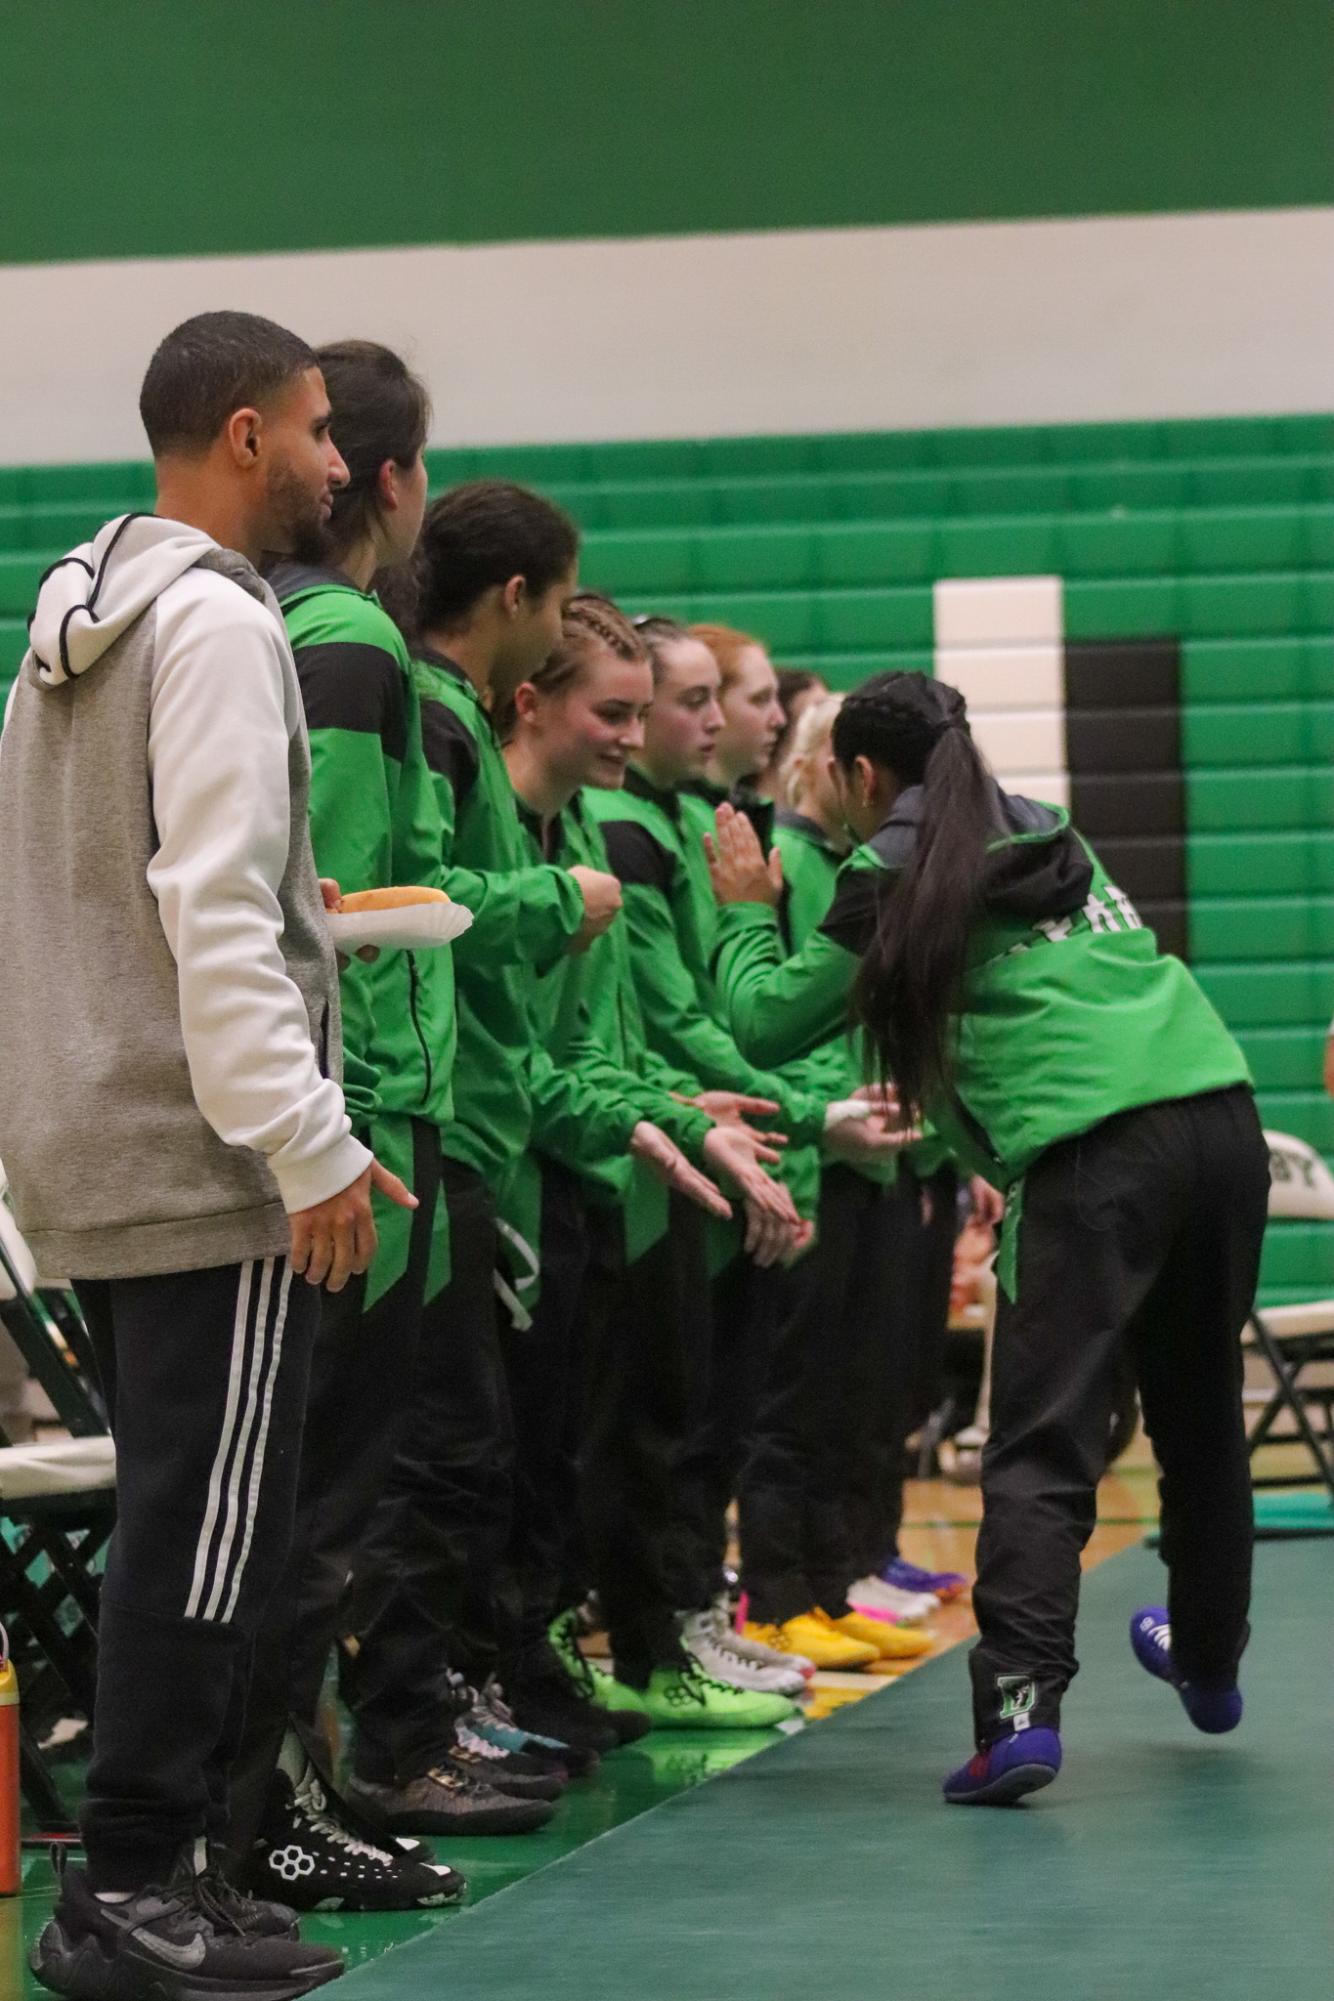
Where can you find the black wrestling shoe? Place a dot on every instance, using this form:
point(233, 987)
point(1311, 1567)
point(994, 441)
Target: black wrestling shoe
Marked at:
point(316, 1852)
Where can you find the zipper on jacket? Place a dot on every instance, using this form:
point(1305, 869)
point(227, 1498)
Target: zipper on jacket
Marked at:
point(414, 981)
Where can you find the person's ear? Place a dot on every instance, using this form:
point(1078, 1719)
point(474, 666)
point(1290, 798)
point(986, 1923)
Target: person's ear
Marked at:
point(865, 780)
point(387, 487)
point(527, 702)
point(512, 596)
point(243, 435)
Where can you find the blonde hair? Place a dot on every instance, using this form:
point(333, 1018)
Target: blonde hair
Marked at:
point(813, 733)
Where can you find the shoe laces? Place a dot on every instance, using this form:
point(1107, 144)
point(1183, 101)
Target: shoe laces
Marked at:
point(214, 1899)
point(451, 1780)
point(219, 1898)
point(700, 1682)
point(479, 1747)
point(566, 1648)
point(718, 1637)
point(315, 1809)
point(462, 1695)
point(491, 1703)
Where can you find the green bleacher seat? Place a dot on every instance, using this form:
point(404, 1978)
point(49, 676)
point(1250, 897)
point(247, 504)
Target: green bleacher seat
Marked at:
point(1265, 996)
point(1259, 733)
point(1261, 864)
point(1219, 534)
point(1283, 1059)
point(19, 576)
point(1273, 927)
point(1292, 1251)
point(1233, 670)
point(739, 559)
point(1243, 798)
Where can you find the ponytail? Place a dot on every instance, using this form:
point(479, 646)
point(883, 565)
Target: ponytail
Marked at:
point(909, 986)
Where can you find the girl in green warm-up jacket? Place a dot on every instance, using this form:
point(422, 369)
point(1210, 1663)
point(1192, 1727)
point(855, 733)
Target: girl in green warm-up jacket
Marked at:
point(831, 1409)
point(656, 845)
point(1016, 997)
point(617, 1250)
point(373, 822)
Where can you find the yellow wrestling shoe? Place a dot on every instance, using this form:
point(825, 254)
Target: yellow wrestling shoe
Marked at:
point(891, 1643)
point(818, 1638)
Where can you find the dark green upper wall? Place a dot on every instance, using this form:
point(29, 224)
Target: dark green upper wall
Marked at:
point(164, 127)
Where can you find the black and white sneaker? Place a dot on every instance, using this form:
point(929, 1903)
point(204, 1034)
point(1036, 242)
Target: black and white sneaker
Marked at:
point(445, 1801)
point(315, 1852)
point(176, 1941)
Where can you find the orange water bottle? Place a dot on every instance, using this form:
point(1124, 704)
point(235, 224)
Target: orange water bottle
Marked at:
point(11, 1873)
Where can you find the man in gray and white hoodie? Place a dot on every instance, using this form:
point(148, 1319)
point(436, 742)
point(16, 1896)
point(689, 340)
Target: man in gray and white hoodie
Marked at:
point(171, 1115)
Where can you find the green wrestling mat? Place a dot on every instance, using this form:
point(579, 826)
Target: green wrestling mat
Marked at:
point(1285, 1513)
point(1279, 1514)
point(1161, 1864)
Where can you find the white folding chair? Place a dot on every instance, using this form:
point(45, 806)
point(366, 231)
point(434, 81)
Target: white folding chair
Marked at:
point(1291, 1340)
point(57, 1509)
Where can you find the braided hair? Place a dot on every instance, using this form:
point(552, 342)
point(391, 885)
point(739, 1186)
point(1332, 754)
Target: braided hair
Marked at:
point(590, 623)
point(909, 985)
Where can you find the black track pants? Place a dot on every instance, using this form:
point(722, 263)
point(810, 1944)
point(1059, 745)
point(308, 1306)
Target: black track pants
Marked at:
point(832, 1403)
point(646, 1347)
point(1144, 1232)
point(360, 1379)
point(205, 1377)
point(542, 1372)
point(425, 1596)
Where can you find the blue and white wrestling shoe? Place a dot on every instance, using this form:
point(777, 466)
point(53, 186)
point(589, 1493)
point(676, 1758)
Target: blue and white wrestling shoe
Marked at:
point(1211, 1707)
point(1024, 1762)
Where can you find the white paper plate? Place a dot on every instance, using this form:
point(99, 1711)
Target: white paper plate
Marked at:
point(411, 928)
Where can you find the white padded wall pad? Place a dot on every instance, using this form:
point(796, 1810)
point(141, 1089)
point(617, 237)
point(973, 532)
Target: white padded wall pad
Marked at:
point(1032, 676)
point(999, 611)
point(1019, 739)
point(1001, 642)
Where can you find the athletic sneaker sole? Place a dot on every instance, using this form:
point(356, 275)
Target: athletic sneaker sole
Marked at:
point(525, 1818)
point(83, 1972)
point(440, 1901)
point(1007, 1789)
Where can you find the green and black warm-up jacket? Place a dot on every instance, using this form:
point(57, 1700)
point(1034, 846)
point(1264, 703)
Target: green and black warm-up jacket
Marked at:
point(810, 873)
point(655, 847)
point(1070, 1012)
point(373, 823)
point(524, 917)
point(586, 1017)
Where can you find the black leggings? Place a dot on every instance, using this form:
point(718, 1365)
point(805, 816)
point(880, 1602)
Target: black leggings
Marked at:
point(829, 1429)
point(1146, 1233)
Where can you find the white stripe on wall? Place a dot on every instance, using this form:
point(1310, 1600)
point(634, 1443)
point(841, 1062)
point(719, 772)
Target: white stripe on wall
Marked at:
point(1001, 642)
point(714, 336)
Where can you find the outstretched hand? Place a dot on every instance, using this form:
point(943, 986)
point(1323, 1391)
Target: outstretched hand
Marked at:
point(737, 866)
point(664, 1158)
